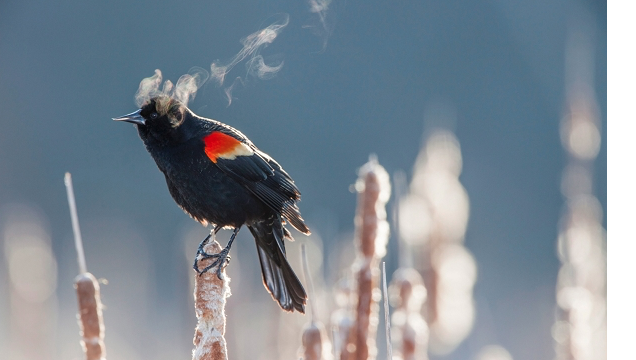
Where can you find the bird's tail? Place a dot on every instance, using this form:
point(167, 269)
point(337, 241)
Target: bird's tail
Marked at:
point(278, 276)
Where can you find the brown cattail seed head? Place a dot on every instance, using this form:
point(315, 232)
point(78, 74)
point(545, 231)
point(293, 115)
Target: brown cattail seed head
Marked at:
point(372, 232)
point(90, 316)
point(314, 340)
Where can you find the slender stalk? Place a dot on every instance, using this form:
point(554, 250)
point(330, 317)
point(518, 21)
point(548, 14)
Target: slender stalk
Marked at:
point(68, 181)
point(308, 279)
point(387, 321)
point(315, 343)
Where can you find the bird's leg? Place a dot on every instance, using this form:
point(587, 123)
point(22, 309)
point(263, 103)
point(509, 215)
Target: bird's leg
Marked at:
point(221, 258)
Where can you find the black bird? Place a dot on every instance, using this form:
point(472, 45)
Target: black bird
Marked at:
point(217, 176)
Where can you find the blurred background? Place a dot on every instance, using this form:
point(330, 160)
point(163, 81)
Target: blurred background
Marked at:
point(518, 90)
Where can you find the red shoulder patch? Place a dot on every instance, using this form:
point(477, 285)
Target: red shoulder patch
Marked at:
point(220, 145)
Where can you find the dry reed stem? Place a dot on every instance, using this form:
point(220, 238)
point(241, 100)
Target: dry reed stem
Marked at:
point(79, 247)
point(90, 316)
point(91, 320)
point(210, 294)
point(315, 344)
point(387, 321)
point(372, 234)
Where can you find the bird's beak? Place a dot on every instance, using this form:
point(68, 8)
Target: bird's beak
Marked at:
point(134, 118)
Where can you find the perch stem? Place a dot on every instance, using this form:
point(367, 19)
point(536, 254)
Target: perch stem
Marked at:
point(387, 321)
point(310, 283)
point(81, 259)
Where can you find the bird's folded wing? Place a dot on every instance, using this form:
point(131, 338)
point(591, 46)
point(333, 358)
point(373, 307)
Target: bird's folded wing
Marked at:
point(257, 171)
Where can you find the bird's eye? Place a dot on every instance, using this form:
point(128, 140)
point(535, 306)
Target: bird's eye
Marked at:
point(153, 115)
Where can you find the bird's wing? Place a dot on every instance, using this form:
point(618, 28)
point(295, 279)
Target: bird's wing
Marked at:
point(236, 157)
point(263, 176)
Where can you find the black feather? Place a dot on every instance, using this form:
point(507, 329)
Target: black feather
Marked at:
point(278, 277)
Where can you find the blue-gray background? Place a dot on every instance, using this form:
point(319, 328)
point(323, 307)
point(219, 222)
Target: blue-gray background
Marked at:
point(67, 67)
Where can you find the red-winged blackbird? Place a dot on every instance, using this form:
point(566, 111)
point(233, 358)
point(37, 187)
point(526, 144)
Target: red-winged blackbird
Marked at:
point(216, 175)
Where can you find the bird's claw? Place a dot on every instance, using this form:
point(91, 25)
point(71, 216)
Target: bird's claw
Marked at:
point(222, 260)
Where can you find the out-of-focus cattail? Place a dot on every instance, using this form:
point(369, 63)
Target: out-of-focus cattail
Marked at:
point(315, 343)
point(91, 320)
point(410, 332)
point(580, 331)
point(407, 291)
point(32, 275)
point(342, 318)
point(372, 230)
point(493, 352)
point(433, 219)
point(210, 294)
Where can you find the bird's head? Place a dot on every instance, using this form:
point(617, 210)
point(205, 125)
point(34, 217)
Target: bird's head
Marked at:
point(159, 119)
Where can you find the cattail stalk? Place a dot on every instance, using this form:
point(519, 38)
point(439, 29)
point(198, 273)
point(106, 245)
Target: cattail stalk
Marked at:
point(309, 281)
point(70, 194)
point(372, 230)
point(315, 344)
point(91, 320)
point(210, 294)
point(387, 322)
